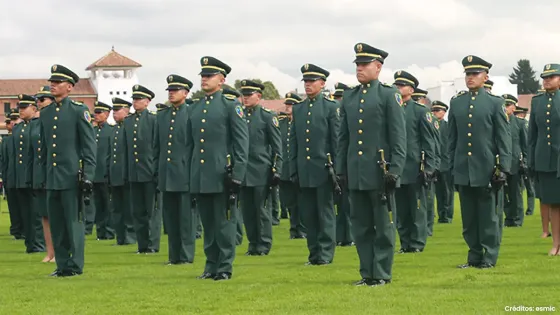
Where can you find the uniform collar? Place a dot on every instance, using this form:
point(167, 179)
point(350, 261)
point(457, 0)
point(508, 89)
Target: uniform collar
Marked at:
point(139, 114)
point(251, 109)
point(173, 107)
point(369, 84)
point(480, 90)
point(214, 95)
point(552, 94)
point(62, 101)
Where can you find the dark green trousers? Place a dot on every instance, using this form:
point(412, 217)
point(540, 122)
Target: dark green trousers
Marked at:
point(124, 222)
point(159, 204)
point(343, 225)
point(67, 229)
point(198, 223)
point(257, 219)
point(480, 214)
point(430, 205)
point(289, 198)
point(147, 218)
point(16, 215)
point(103, 215)
point(320, 221)
point(411, 216)
point(500, 206)
point(32, 226)
point(445, 194)
point(373, 233)
point(273, 204)
point(181, 227)
point(514, 209)
point(529, 184)
point(219, 231)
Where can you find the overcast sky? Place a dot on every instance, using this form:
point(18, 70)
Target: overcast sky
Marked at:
point(272, 39)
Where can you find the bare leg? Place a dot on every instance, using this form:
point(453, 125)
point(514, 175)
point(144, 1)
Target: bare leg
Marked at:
point(545, 219)
point(555, 222)
point(48, 240)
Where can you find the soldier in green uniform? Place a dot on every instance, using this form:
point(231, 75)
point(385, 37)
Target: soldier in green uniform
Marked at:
point(273, 204)
point(264, 168)
point(140, 129)
point(159, 201)
point(170, 152)
point(313, 139)
point(9, 178)
point(544, 145)
point(372, 130)
point(418, 171)
point(234, 96)
point(445, 193)
point(103, 133)
point(514, 207)
point(488, 85)
point(34, 241)
point(66, 137)
point(343, 225)
point(118, 177)
point(421, 96)
point(288, 190)
point(473, 116)
point(527, 180)
point(217, 135)
point(44, 98)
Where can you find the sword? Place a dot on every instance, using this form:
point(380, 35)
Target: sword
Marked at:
point(232, 199)
point(384, 198)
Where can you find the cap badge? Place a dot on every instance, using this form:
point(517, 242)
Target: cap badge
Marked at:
point(548, 67)
point(359, 48)
point(205, 61)
point(136, 87)
point(469, 58)
point(306, 66)
point(54, 68)
point(170, 78)
point(399, 72)
point(289, 95)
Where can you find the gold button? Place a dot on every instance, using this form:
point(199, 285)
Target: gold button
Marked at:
point(54, 155)
point(201, 130)
point(549, 143)
point(21, 136)
point(308, 157)
point(168, 159)
point(470, 144)
point(310, 105)
point(170, 136)
point(169, 143)
point(137, 119)
point(201, 140)
point(135, 125)
point(360, 153)
point(135, 153)
point(134, 146)
point(471, 107)
point(115, 138)
point(288, 135)
point(21, 155)
point(307, 149)
point(134, 139)
point(368, 85)
point(134, 132)
point(308, 122)
point(307, 140)
point(20, 162)
point(360, 131)
point(470, 115)
point(54, 164)
point(54, 127)
point(361, 101)
point(114, 155)
point(54, 145)
point(39, 141)
point(547, 121)
point(548, 136)
point(469, 153)
point(168, 151)
point(548, 106)
point(114, 162)
point(172, 120)
point(207, 102)
point(203, 120)
point(173, 113)
point(549, 99)
point(21, 142)
point(54, 136)
point(136, 160)
point(170, 128)
point(38, 149)
point(55, 118)
point(364, 91)
point(469, 134)
point(472, 98)
point(308, 113)
point(361, 110)
point(547, 128)
point(204, 111)
point(469, 124)
point(201, 150)
point(58, 109)
point(307, 130)
point(360, 121)
point(201, 161)
point(548, 113)
point(360, 142)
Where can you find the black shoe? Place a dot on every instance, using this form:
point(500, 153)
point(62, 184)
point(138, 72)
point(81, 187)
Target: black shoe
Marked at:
point(379, 282)
point(363, 282)
point(56, 273)
point(151, 251)
point(206, 275)
point(528, 212)
point(402, 251)
point(346, 244)
point(276, 222)
point(485, 266)
point(251, 253)
point(322, 263)
point(262, 253)
point(222, 276)
point(70, 273)
point(467, 265)
point(198, 236)
point(310, 263)
point(301, 237)
point(338, 243)
point(283, 216)
point(415, 250)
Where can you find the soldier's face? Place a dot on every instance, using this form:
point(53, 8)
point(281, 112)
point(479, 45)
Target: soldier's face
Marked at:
point(177, 96)
point(100, 117)
point(140, 104)
point(43, 101)
point(60, 88)
point(405, 90)
point(26, 113)
point(551, 83)
point(313, 87)
point(521, 115)
point(120, 114)
point(288, 109)
point(438, 113)
point(211, 83)
point(475, 80)
point(251, 99)
point(366, 72)
point(510, 109)
point(422, 100)
point(10, 126)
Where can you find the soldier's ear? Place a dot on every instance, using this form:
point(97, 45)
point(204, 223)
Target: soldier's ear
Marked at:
point(485, 76)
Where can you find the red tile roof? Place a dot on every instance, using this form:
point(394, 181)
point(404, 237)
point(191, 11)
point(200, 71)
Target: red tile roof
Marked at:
point(14, 87)
point(113, 59)
point(525, 101)
point(274, 105)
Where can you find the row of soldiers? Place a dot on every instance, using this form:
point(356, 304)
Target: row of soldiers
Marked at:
point(377, 150)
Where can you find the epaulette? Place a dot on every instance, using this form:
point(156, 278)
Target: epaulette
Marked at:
point(152, 112)
point(76, 103)
point(386, 85)
point(329, 99)
point(266, 109)
point(539, 94)
point(227, 98)
point(419, 104)
point(459, 94)
point(231, 97)
point(280, 117)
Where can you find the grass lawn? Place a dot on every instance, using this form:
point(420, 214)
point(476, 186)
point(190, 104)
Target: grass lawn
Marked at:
point(117, 281)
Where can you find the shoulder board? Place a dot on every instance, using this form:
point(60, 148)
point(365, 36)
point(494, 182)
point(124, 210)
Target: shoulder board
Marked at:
point(266, 109)
point(152, 112)
point(227, 98)
point(75, 103)
point(385, 85)
point(539, 94)
point(231, 97)
point(355, 87)
point(415, 102)
point(330, 100)
point(459, 94)
point(280, 117)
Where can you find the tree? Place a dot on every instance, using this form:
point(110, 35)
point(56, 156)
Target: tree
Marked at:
point(524, 76)
point(270, 91)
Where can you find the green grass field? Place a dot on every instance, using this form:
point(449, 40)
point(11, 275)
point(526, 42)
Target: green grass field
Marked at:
point(117, 281)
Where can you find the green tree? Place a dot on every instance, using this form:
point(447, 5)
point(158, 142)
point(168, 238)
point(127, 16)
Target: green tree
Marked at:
point(270, 91)
point(197, 94)
point(525, 77)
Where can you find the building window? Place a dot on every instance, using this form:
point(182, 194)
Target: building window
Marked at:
point(6, 108)
point(111, 93)
point(118, 93)
point(124, 92)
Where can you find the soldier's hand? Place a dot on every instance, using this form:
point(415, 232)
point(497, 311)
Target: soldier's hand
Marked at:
point(391, 181)
point(235, 186)
point(498, 181)
point(275, 180)
point(87, 186)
